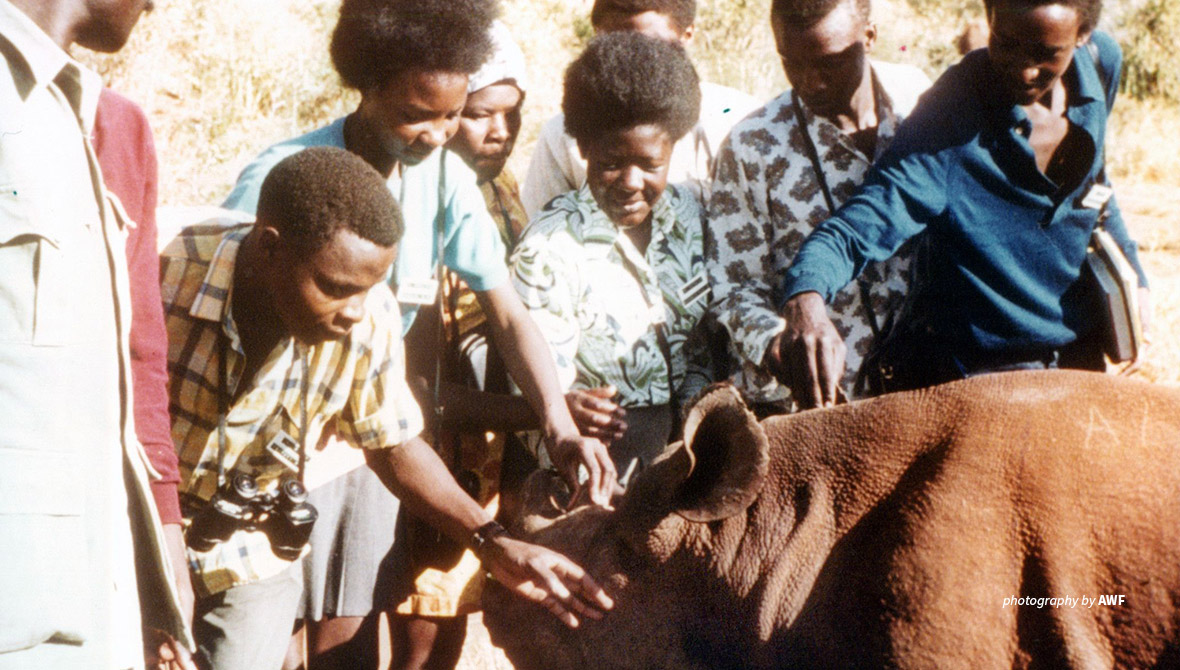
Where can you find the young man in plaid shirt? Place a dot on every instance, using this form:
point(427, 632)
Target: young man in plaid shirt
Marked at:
point(281, 333)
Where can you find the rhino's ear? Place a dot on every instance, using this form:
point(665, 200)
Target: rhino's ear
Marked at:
point(729, 457)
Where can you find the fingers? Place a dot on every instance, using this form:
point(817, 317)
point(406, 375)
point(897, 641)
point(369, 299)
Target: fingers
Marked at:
point(810, 350)
point(585, 586)
point(564, 588)
point(596, 415)
point(812, 391)
point(803, 362)
point(593, 468)
point(606, 392)
point(601, 492)
point(168, 654)
point(830, 368)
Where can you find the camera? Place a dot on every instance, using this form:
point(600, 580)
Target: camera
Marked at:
point(289, 520)
point(283, 515)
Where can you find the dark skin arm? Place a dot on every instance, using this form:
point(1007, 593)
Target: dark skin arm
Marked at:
point(526, 356)
point(418, 477)
point(469, 409)
point(808, 356)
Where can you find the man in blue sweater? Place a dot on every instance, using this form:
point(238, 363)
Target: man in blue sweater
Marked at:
point(996, 163)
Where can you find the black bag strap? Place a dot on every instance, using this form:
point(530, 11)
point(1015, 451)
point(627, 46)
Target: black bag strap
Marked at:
point(801, 120)
point(440, 222)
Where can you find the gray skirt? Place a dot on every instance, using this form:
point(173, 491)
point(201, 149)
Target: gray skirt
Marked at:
point(353, 565)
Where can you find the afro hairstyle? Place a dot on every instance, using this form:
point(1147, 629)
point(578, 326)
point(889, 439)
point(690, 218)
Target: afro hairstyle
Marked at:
point(627, 79)
point(806, 13)
point(682, 12)
point(1089, 11)
point(375, 40)
point(310, 195)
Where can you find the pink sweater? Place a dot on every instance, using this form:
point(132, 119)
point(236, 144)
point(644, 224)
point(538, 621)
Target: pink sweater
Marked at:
point(127, 155)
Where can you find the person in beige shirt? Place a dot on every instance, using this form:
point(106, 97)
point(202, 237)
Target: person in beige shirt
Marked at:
point(77, 518)
point(557, 166)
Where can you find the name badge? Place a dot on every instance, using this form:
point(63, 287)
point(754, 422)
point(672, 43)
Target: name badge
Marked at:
point(285, 450)
point(418, 292)
point(696, 289)
point(1097, 196)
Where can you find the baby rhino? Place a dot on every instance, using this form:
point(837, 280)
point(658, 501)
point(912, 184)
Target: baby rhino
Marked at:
point(980, 524)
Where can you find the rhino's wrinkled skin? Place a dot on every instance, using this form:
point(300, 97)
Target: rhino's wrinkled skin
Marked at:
point(887, 533)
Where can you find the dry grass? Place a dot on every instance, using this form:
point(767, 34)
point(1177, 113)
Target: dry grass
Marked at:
point(223, 80)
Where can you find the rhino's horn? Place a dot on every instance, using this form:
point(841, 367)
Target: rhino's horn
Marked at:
point(729, 454)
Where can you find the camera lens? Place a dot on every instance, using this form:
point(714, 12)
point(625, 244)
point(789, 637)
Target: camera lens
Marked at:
point(244, 486)
point(293, 492)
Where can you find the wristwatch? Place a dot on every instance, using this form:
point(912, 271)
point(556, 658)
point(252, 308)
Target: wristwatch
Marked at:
point(481, 536)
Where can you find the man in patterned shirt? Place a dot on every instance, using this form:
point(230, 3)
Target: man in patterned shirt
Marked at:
point(784, 168)
point(280, 333)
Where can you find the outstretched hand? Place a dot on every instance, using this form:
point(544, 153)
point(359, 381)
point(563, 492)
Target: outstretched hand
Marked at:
point(568, 452)
point(596, 414)
point(546, 578)
point(809, 355)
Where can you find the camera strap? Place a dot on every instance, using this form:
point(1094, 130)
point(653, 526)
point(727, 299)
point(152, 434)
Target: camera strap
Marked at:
point(865, 297)
point(223, 402)
point(222, 407)
point(440, 222)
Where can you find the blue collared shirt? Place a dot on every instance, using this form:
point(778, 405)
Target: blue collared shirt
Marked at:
point(1005, 242)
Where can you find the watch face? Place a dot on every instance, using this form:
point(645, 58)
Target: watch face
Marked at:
point(486, 533)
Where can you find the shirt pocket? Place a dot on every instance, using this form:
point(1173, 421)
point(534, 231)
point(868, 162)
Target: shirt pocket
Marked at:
point(32, 292)
point(271, 439)
point(45, 579)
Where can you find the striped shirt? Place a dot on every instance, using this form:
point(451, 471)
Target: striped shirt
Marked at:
point(357, 390)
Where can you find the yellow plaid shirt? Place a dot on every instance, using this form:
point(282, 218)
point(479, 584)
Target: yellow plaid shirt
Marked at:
point(357, 389)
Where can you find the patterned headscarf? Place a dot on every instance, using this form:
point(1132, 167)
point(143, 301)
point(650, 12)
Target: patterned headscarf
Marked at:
point(505, 65)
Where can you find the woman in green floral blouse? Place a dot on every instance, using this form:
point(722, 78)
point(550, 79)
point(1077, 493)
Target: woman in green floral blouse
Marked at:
point(614, 273)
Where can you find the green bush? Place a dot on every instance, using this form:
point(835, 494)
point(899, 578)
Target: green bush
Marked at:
point(1149, 38)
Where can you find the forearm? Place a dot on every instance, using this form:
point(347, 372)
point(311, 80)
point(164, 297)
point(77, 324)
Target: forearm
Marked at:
point(421, 481)
point(465, 408)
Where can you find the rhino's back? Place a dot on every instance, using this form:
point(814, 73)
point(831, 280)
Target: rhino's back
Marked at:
point(939, 505)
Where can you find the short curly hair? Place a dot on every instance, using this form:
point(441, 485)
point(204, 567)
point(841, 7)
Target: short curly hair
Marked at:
point(807, 13)
point(310, 195)
point(1089, 11)
point(627, 79)
point(375, 40)
point(682, 12)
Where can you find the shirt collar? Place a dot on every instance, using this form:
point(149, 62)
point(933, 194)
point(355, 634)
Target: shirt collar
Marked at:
point(1082, 86)
point(886, 121)
point(597, 228)
point(44, 61)
point(212, 302)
